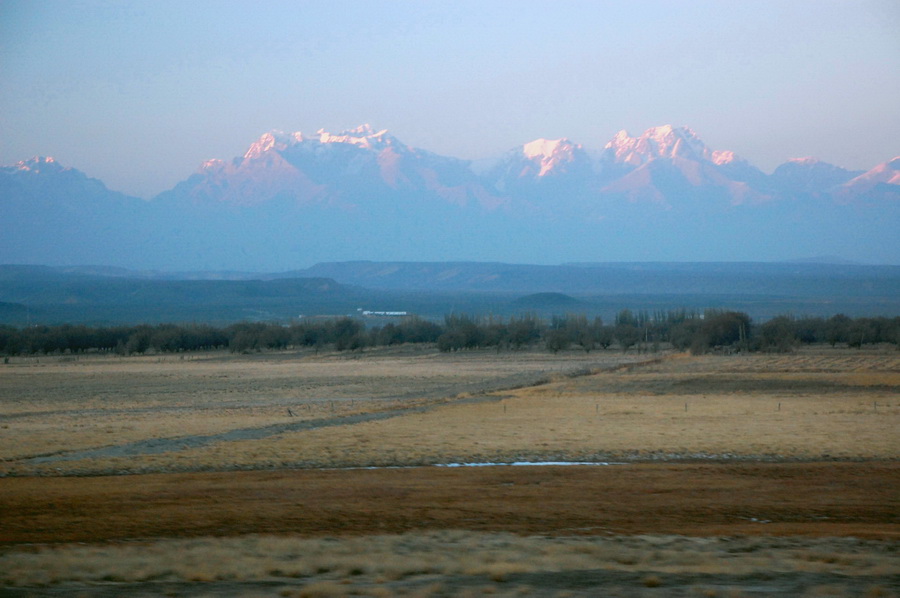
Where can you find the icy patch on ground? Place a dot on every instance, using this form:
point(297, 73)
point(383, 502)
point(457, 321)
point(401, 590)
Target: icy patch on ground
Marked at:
point(527, 464)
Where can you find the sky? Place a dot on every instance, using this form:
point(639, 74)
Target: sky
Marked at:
point(139, 94)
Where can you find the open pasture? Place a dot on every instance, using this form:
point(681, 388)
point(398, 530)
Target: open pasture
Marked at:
point(736, 475)
point(414, 407)
point(52, 406)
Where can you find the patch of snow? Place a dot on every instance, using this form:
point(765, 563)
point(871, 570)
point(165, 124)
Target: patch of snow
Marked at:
point(720, 157)
point(806, 161)
point(664, 141)
point(362, 136)
point(35, 164)
point(540, 148)
point(271, 140)
point(550, 153)
point(210, 164)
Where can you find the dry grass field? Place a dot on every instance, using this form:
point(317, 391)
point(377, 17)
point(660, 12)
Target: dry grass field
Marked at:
point(737, 475)
point(460, 563)
point(51, 406)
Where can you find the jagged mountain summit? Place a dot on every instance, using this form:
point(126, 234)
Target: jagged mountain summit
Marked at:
point(662, 142)
point(50, 212)
point(666, 162)
point(548, 158)
point(349, 168)
point(42, 192)
point(541, 170)
point(881, 183)
point(40, 177)
point(292, 199)
point(339, 169)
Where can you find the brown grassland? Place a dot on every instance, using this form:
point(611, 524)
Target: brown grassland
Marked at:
point(302, 474)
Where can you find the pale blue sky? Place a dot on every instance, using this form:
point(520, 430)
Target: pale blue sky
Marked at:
point(138, 94)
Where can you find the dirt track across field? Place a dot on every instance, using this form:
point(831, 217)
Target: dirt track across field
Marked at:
point(815, 499)
point(745, 475)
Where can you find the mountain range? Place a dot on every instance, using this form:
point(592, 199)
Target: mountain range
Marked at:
point(293, 200)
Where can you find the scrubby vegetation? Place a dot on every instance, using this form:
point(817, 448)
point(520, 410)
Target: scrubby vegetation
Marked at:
point(699, 332)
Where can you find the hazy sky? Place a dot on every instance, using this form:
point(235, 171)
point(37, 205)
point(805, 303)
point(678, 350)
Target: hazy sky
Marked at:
point(138, 94)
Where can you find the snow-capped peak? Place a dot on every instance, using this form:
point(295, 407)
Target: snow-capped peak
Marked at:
point(881, 182)
point(805, 161)
point(277, 140)
point(665, 141)
point(550, 153)
point(886, 172)
point(540, 148)
point(666, 134)
point(362, 136)
point(37, 163)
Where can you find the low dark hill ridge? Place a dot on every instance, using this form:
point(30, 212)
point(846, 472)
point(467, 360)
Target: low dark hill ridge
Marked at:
point(751, 278)
point(55, 296)
point(47, 295)
point(557, 303)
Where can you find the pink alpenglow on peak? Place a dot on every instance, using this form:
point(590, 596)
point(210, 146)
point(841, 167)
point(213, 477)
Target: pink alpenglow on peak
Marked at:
point(720, 157)
point(277, 140)
point(363, 136)
point(214, 163)
point(330, 168)
point(544, 147)
point(39, 164)
point(550, 153)
point(663, 142)
point(888, 172)
point(885, 176)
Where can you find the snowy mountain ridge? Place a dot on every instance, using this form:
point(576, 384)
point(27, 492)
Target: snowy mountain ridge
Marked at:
point(364, 194)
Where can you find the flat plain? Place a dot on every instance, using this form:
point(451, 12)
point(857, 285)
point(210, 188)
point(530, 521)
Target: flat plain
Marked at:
point(296, 473)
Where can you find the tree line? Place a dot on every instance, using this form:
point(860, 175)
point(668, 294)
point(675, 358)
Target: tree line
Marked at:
point(698, 332)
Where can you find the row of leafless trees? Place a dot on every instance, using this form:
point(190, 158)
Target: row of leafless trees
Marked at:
point(698, 332)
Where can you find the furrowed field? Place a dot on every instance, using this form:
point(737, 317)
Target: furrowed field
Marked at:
point(296, 473)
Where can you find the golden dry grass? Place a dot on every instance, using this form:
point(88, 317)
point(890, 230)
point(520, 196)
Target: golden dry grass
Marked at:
point(50, 405)
point(813, 404)
point(820, 403)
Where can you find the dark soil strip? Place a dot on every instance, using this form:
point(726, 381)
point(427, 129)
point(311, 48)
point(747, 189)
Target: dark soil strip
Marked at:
point(772, 499)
